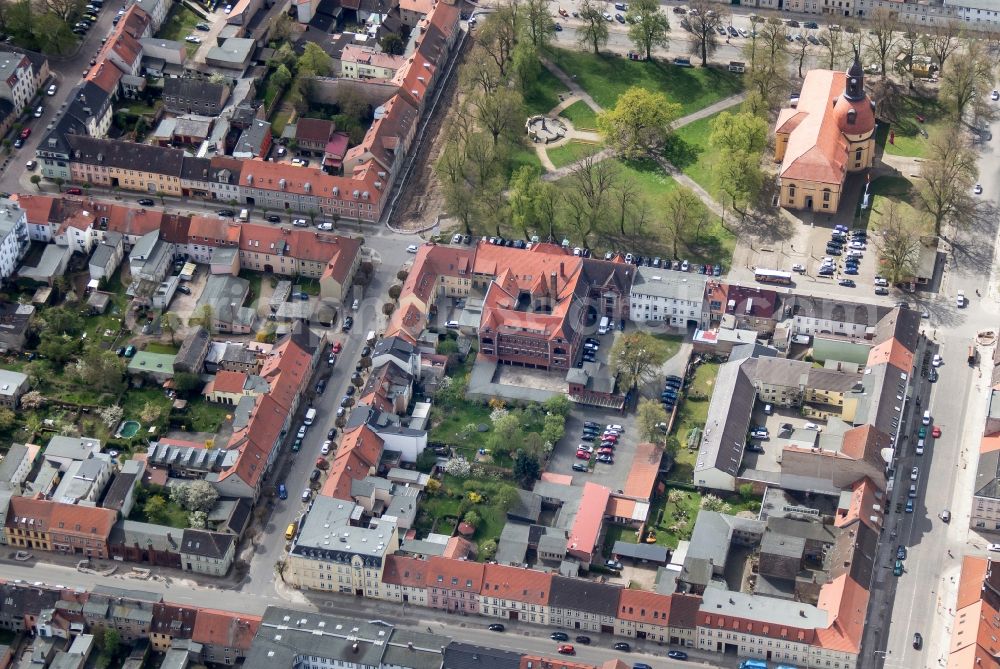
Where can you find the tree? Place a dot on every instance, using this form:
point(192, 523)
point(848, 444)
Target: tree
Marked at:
point(37, 181)
point(52, 34)
point(649, 26)
point(594, 31)
point(498, 34)
point(909, 44)
point(969, 78)
point(101, 370)
point(315, 61)
point(742, 179)
point(281, 77)
point(500, 113)
point(898, 244)
point(7, 419)
point(883, 36)
point(942, 42)
point(538, 23)
point(488, 550)
point(704, 25)
point(741, 131)
point(393, 44)
point(684, 214)
point(767, 70)
point(526, 469)
point(472, 518)
point(197, 519)
point(59, 348)
point(949, 172)
point(32, 399)
point(480, 72)
point(525, 65)
point(521, 196)
point(652, 420)
point(195, 496)
point(640, 122)
point(170, 323)
point(395, 291)
point(636, 358)
point(155, 509)
point(186, 382)
point(204, 317)
point(110, 641)
point(150, 413)
point(558, 405)
point(589, 195)
point(834, 48)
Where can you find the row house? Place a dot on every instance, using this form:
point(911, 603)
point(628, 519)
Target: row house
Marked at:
point(577, 604)
point(14, 240)
point(53, 526)
point(404, 580)
point(664, 618)
point(124, 165)
point(111, 608)
point(225, 636)
point(513, 593)
point(454, 585)
point(171, 622)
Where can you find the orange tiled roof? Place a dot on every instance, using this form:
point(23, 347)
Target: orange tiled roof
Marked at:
point(516, 584)
point(644, 606)
point(866, 505)
point(405, 570)
point(817, 150)
point(589, 517)
point(642, 476)
point(891, 352)
point(846, 602)
point(312, 181)
point(213, 231)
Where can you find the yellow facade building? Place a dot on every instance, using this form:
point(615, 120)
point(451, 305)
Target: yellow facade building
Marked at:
point(824, 136)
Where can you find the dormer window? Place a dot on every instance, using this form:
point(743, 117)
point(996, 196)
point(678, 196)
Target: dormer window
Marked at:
point(852, 115)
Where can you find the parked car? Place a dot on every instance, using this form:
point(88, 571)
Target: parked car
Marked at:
point(184, 290)
point(623, 646)
point(613, 564)
point(585, 640)
point(677, 655)
point(282, 491)
point(566, 649)
point(147, 202)
point(580, 467)
point(497, 627)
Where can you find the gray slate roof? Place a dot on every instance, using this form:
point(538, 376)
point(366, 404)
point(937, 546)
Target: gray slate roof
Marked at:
point(587, 596)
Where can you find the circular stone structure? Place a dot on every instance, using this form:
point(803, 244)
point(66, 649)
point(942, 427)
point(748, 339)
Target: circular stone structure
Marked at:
point(545, 129)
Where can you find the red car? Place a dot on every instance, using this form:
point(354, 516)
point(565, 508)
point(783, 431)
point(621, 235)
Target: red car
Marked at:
point(936, 432)
point(610, 437)
point(74, 191)
point(336, 347)
point(583, 455)
point(566, 649)
point(26, 133)
point(606, 451)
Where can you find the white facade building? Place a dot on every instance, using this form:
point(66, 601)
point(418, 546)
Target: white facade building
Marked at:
point(17, 81)
point(13, 237)
point(666, 296)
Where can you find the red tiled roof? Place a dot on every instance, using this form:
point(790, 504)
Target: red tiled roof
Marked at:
point(310, 181)
point(213, 231)
point(866, 505)
point(38, 208)
point(432, 262)
point(455, 574)
point(405, 570)
point(381, 141)
point(313, 130)
point(229, 382)
point(106, 76)
point(287, 370)
point(346, 468)
point(891, 352)
point(516, 584)
point(225, 629)
point(256, 440)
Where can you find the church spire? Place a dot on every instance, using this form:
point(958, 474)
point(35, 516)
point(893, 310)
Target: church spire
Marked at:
point(855, 89)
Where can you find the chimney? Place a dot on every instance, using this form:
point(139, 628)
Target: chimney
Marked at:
point(552, 284)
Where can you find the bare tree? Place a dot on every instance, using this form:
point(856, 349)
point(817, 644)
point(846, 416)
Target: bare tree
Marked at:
point(898, 244)
point(480, 72)
point(969, 77)
point(910, 44)
point(500, 113)
point(683, 216)
point(883, 36)
point(538, 23)
point(949, 171)
point(594, 31)
point(626, 194)
point(589, 197)
point(498, 35)
point(799, 51)
point(835, 48)
point(941, 42)
point(704, 19)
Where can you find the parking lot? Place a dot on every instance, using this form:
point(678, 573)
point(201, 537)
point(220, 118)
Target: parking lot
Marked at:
point(611, 476)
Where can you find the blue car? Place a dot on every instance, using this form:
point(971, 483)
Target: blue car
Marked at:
point(282, 491)
point(851, 270)
point(909, 506)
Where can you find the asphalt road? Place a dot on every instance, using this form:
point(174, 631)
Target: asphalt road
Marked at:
point(923, 598)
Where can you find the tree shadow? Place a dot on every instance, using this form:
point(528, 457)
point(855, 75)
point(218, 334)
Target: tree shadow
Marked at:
point(680, 152)
point(972, 245)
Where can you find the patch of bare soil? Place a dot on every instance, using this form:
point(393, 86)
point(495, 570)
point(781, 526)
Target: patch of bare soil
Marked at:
point(422, 202)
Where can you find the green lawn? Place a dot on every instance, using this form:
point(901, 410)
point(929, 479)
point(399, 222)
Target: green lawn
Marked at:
point(543, 93)
point(704, 379)
point(908, 139)
point(580, 115)
point(572, 152)
point(670, 522)
point(692, 413)
point(173, 515)
point(179, 24)
point(672, 343)
point(205, 416)
point(522, 154)
point(607, 77)
point(136, 398)
point(688, 150)
point(899, 190)
point(279, 122)
point(155, 347)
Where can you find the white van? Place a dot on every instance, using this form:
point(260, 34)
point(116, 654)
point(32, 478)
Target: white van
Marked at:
point(310, 417)
point(926, 420)
point(801, 339)
point(244, 214)
point(605, 326)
